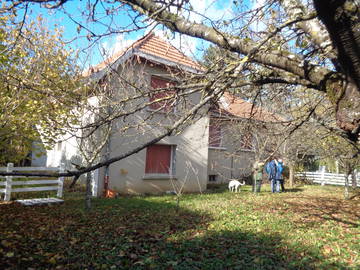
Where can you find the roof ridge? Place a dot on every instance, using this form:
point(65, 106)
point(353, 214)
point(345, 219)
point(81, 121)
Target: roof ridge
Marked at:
point(141, 45)
point(141, 40)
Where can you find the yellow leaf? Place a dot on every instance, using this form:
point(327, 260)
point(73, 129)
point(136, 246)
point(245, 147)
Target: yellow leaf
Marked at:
point(52, 260)
point(9, 254)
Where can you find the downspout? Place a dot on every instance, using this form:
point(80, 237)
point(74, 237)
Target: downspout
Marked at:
point(107, 157)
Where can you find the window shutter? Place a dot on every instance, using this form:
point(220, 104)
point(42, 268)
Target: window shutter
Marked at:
point(158, 159)
point(164, 105)
point(214, 134)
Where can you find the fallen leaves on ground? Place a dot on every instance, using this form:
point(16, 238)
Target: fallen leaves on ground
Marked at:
point(308, 229)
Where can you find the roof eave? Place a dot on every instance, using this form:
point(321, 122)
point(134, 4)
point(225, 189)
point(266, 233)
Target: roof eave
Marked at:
point(135, 52)
point(166, 62)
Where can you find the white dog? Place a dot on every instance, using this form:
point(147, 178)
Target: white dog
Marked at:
point(234, 185)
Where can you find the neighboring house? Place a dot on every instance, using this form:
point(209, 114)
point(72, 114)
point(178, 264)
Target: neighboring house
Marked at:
point(199, 154)
point(231, 145)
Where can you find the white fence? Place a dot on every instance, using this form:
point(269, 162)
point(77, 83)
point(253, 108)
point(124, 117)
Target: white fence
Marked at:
point(30, 185)
point(324, 178)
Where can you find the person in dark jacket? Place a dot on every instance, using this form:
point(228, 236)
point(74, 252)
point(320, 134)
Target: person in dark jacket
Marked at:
point(271, 167)
point(279, 175)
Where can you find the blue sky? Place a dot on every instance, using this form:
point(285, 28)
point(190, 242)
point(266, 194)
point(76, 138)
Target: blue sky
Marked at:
point(214, 9)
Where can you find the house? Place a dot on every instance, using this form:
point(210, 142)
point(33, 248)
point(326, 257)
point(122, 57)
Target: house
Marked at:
point(232, 140)
point(198, 153)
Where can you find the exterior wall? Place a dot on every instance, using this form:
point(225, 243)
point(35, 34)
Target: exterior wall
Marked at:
point(229, 161)
point(128, 175)
point(67, 152)
point(38, 155)
point(229, 165)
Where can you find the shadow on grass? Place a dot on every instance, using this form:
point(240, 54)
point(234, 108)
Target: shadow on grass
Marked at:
point(318, 210)
point(294, 190)
point(137, 233)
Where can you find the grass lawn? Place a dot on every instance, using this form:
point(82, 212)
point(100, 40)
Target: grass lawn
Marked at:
point(310, 227)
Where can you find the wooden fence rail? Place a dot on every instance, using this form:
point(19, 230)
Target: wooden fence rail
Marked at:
point(324, 178)
point(9, 185)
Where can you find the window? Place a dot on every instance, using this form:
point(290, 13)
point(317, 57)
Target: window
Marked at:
point(166, 105)
point(215, 133)
point(160, 159)
point(247, 141)
point(212, 177)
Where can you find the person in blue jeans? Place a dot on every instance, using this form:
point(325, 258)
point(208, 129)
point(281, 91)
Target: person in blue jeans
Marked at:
point(279, 178)
point(271, 170)
point(279, 173)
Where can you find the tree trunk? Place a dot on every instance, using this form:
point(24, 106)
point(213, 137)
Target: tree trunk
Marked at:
point(88, 191)
point(342, 20)
point(291, 175)
point(342, 24)
point(354, 180)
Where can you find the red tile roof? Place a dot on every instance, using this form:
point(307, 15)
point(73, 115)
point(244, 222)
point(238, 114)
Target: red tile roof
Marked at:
point(235, 106)
point(151, 45)
point(156, 46)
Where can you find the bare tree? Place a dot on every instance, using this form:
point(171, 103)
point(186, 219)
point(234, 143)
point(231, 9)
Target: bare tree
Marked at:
point(293, 49)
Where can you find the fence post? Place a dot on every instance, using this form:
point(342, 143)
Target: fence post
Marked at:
point(61, 181)
point(8, 185)
point(323, 175)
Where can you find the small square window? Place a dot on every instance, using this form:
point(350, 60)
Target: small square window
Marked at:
point(160, 159)
point(212, 177)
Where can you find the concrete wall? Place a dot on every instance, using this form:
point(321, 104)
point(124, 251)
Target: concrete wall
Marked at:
point(229, 165)
point(128, 175)
point(66, 151)
point(229, 161)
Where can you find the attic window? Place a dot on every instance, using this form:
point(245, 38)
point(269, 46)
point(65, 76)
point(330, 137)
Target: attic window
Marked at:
point(166, 99)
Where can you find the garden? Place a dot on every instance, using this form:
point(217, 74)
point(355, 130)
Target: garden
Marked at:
point(308, 227)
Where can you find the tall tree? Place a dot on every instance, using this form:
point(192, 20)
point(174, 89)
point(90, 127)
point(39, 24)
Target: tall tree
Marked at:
point(39, 86)
point(299, 46)
point(325, 56)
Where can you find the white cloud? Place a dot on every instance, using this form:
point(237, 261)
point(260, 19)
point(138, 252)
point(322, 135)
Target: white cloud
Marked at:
point(115, 45)
point(211, 9)
point(184, 43)
point(202, 10)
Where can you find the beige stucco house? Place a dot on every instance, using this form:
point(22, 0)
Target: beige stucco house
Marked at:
point(200, 152)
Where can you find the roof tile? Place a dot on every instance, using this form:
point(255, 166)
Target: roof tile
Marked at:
point(151, 45)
